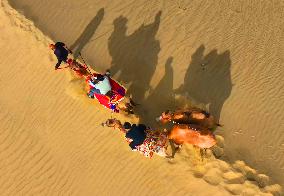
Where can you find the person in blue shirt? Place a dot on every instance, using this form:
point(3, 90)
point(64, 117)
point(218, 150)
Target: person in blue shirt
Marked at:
point(61, 52)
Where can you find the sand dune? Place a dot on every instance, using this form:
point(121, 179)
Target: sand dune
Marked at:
point(223, 56)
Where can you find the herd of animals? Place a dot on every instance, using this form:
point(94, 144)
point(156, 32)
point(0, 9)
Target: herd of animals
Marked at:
point(191, 125)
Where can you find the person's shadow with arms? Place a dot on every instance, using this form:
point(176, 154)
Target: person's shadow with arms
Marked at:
point(87, 34)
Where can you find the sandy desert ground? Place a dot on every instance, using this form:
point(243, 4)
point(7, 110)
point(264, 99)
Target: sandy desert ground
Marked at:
point(225, 56)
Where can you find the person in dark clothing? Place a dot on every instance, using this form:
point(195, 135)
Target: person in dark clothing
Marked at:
point(136, 133)
point(61, 52)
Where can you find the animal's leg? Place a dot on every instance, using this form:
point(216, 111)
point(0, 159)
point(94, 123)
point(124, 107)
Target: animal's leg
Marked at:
point(175, 148)
point(202, 153)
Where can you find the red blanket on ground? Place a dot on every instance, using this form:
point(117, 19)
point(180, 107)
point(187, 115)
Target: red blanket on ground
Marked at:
point(118, 90)
point(118, 94)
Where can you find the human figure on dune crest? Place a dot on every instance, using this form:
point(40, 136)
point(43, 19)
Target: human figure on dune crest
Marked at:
point(141, 138)
point(61, 52)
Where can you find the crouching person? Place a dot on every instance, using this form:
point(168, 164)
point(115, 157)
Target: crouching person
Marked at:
point(140, 138)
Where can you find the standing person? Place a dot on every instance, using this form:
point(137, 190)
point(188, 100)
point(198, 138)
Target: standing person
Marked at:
point(61, 52)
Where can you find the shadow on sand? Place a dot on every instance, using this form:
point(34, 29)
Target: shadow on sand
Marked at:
point(134, 57)
point(208, 79)
point(89, 31)
point(134, 61)
point(160, 98)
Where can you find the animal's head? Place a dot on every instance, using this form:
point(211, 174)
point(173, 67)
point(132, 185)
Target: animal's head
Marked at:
point(112, 123)
point(165, 117)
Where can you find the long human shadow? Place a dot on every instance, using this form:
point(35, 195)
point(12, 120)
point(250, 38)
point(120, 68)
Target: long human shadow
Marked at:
point(159, 99)
point(208, 79)
point(90, 29)
point(134, 56)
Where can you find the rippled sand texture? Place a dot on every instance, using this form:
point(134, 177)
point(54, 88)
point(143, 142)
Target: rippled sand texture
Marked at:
point(226, 56)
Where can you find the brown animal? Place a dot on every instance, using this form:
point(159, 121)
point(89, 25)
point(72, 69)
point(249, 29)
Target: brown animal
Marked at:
point(78, 68)
point(190, 116)
point(115, 124)
point(192, 134)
